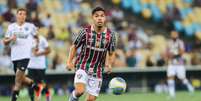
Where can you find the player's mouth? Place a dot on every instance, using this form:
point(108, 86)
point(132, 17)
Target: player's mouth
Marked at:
point(100, 23)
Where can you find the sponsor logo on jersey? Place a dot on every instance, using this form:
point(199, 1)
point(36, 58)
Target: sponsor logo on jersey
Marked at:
point(21, 35)
point(95, 48)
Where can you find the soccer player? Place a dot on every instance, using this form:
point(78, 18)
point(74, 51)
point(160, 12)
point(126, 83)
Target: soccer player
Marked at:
point(19, 36)
point(176, 64)
point(97, 44)
point(37, 67)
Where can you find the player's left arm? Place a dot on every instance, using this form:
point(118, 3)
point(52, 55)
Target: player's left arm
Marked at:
point(111, 53)
point(46, 47)
point(181, 48)
point(34, 31)
point(45, 52)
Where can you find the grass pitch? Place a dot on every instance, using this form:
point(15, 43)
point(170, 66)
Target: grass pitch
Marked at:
point(181, 96)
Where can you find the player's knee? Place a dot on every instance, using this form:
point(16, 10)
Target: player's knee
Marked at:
point(91, 98)
point(171, 78)
point(79, 89)
point(79, 93)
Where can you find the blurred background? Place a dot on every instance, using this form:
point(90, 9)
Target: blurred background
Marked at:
point(143, 28)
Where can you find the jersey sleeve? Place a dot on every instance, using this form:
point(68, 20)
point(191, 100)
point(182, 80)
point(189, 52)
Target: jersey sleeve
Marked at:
point(8, 32)
point(34, 30)
point(45, 43)
point(113, 42)
point(80, 38)
point(181, 45)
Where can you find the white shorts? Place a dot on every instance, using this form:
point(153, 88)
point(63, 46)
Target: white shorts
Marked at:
point(176, 70)
point(93, 85)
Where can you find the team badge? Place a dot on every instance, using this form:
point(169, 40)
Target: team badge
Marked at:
point(26, 28)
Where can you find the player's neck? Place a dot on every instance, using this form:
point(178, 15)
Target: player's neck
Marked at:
point(99, 29)
point(20, 23)
point(174, 39)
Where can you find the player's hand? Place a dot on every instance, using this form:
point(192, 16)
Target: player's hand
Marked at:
point(70, 66)
point(108, 69)
point(14, 38)
point(36, 52)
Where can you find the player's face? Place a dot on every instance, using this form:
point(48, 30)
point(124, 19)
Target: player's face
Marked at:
point(99, 18)
point(174, 35)
point(21, 16)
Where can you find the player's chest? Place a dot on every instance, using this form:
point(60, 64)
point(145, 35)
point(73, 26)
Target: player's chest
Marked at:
point(21, 32)
point(174, 46)
point(98, 40)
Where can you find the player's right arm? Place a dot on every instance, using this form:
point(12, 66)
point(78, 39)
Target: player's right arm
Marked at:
point(181, 48)
point(79, 40)
point(72, 53)
point(168, 54)
point(111, 53)
point(9, 37)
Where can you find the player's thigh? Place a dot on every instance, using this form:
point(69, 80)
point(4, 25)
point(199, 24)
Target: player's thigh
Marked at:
point(94, 86)
point(32, 74)
point(171, 72)
point(90, 97)
point(20, 65)
point(15, 64)
point(181, 72)
point(40, 75)
point(80, 80)
point(19, 68)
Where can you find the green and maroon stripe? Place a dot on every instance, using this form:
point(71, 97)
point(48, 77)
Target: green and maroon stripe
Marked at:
point(97, 53)
point(87, 52)
point(89, 60)
point(103, 57)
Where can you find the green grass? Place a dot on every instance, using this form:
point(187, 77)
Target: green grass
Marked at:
point(181, 96)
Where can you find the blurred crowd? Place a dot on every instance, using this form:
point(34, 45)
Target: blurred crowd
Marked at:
point(137, 47)
point(182, 15)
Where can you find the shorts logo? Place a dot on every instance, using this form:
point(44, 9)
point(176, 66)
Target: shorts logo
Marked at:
point(79, 76)
point(92, 83)
point(22, 68)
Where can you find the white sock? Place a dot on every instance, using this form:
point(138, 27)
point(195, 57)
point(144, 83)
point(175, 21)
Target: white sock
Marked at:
point(73, 97)
point(171, 88)
point(188, 85)
point(73, 94)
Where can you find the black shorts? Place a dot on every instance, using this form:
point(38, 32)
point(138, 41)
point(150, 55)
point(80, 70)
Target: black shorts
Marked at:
point(38, 75)
point(20, 64)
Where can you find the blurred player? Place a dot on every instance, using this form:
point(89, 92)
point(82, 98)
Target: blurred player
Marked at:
point(97, 44)
point(176, 64)
point(37, 67)
point(19, 36)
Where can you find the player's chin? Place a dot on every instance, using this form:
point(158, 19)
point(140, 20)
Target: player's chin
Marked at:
point(100, 26)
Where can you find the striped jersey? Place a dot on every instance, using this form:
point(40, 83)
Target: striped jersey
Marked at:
point(94, 48)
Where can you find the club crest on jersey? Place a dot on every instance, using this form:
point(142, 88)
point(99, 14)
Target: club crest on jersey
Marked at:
point(104, 41)
point(26, 28)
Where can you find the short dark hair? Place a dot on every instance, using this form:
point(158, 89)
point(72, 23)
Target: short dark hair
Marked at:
point(21, 9)
point(97, 9)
